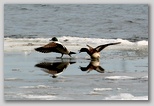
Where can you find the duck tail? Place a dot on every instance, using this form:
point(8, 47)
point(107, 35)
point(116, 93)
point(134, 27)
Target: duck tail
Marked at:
point(71, 53)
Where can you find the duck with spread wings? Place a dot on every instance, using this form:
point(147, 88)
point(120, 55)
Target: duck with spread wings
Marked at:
point(54, 46)
point(95, 52)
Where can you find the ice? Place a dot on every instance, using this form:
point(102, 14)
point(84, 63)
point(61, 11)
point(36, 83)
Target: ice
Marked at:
point(75, 43)
point(126, 96)
point(119, 77)
point(145, 78)
point(38, 97)
point(35, 87)
point(125, 78)
point(102, 89)
point(11, 79)
point(142, 43)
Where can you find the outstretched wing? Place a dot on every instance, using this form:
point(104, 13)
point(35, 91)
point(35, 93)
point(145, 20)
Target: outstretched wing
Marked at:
point(47, 48)
point(90, 48)
point(51, 47)
point(101, 47)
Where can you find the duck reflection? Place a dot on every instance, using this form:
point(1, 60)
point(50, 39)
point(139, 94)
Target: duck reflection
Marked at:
point(54, 68)
point(93, 65)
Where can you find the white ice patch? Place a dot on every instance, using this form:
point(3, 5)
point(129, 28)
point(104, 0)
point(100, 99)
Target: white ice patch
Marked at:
point(11, 79)
point(75, 43)
point(140, 43)
point(144, 78)
point(103, 89)
point(38, 97)
point(119, 77)
point(35, 87)
point(126, 96)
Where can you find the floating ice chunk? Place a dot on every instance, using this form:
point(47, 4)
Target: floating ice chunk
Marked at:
point(38, 97)
point(125, 42)
point(142, 43)
point(118, 88)
point(119, 77)
point(102, 89)
point(144, 78)
point(126, 96)
point(35, 87)
point(94, 93)
point(11, 79)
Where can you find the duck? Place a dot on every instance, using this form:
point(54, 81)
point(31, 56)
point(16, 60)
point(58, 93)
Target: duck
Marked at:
point(53, 68)
point(93, 65)
point(94, 53)
point(56, 47)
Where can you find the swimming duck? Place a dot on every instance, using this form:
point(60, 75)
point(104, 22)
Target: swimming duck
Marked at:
point(54, 46)
point(95, 52)
point(53, 68)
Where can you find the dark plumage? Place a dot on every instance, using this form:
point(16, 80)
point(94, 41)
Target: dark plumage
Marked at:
point(56, 47)
point(95, 52)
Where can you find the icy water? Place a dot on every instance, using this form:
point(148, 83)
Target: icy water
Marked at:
point(97, 21)
point(122, 72)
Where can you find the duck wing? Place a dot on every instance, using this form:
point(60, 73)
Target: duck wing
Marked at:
point(61, 49)
point(90, 48)
point(51, 47)
point(101, 47)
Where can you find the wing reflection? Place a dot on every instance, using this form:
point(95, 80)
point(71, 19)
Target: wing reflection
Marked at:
point(54, 68)
point(93, 65)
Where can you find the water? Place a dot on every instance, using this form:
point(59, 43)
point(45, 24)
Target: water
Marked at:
point(97, 21)
point(124, 67)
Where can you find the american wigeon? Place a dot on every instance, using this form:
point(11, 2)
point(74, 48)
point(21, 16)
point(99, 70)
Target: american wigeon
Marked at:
point(95, 52)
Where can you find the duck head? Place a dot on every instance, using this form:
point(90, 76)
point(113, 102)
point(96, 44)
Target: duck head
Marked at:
point(70, 53)
point(54, 39)
point(83, 50)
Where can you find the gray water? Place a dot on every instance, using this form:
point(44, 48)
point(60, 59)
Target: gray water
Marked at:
point(127, 21)
point(122, 79)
